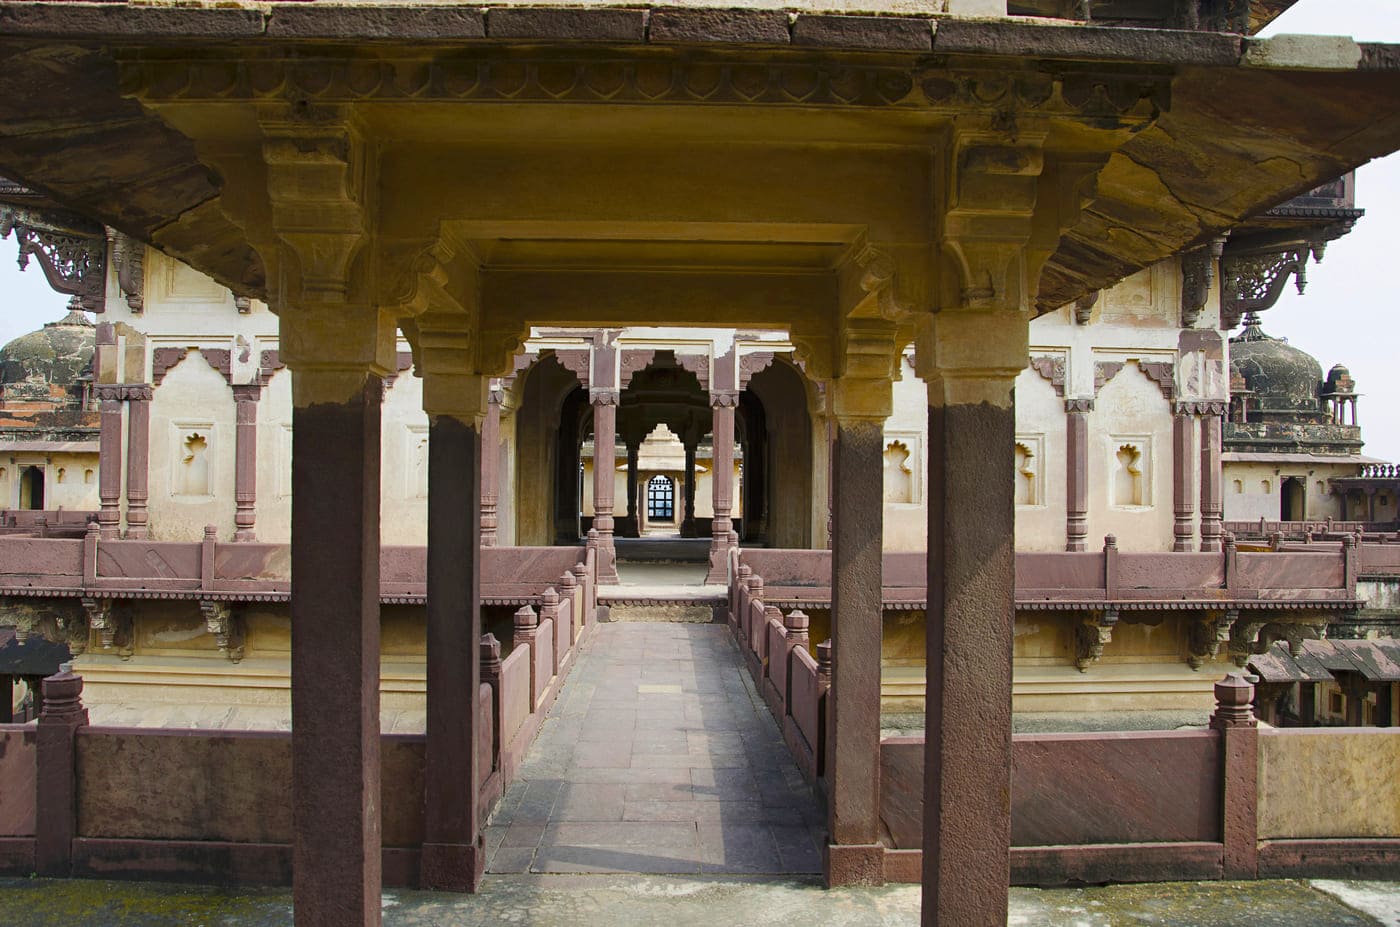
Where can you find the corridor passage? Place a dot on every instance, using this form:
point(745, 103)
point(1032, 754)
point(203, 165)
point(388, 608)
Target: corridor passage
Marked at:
point(658, 758)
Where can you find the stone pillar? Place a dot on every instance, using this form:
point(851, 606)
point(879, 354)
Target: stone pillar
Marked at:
point(1077, 473)
point(56, 780)
point(604, 474)
point(1212, 503)
point(245, 461)
point(454, 854)
point(862, 399)
point(688, 515)
point(1239, 735)
point(969, 358)
point(490, 467)
point(633, 509)
point(722, 403)
point(109, 461)
point(1183, 486)
point(335, 646)
point(138, 456)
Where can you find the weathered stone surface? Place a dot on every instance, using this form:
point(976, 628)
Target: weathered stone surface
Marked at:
point(17, 771)
point(587, 25)
point(883, 32)
point(765, 27)
point(120, 19)
point(1319, 783)
point(312, 21)
point(1018, 39)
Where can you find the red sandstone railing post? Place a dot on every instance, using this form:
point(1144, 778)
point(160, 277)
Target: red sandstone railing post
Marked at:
point(825, 655)
point(587, 603)
point(1110, 566)
point(1350, 564)
point(491, 675)
point(1239, 739)
point(56, 794)
point(755, 593)
point(567, 588)
point(549, 608)
point(527, 629)
point(206, 556)
point(797, 624)
point(1232, 561)
point(737, 589)
point(90, 539)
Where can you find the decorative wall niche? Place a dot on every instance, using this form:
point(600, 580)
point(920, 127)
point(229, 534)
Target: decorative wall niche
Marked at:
point(88, 476)
point(1030, 470)
point(192, 465)
point(1239, 487)
point(416, 455)
point(1130, 470)
point(1266, 487)
point(902, 469)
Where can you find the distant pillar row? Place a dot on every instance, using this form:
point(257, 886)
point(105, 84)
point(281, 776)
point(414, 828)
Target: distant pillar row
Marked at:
point(1183, 486)
point(245, 461)
point(688, 517)
point(722, 405)
point(490, 465)
point(604, 473)
point(1212, 501)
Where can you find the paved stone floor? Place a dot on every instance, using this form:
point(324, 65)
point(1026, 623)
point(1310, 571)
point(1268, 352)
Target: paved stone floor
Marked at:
point(708, 901)
point(658, 757)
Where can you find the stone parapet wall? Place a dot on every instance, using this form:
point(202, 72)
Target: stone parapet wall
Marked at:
point(1329, 783)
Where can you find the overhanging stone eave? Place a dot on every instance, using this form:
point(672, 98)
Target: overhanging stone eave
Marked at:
point(1236, 142)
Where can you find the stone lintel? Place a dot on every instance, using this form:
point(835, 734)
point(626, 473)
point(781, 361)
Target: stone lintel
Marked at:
point(332, 348)
point(971, 356)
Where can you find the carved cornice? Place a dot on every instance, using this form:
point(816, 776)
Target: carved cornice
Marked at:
point(1052, 368)
point(723, 399)
point(603, 397)
point(750, 364)
point(498, 76)
point(632, 363)
point(1201, 407)
point(73, 264)
point(163, 360)
point(123, 392)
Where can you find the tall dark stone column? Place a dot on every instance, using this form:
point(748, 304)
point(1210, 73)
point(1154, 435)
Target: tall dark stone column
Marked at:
point(688, 516)
point(1212, 503)
point(490, 467)
point(245, 461)
point(604, 473)
point(138, 458)
point(722, 404)
point(109, 460)
point(454, 855)
point(335, 647)
point(633, 519)
point(1077, 473)
point(1183, 486)
point(854, 856)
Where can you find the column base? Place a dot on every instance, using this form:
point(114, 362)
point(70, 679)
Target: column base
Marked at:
point(718, 574)
point(607, 562)
point(452, 867)
point(853, 864)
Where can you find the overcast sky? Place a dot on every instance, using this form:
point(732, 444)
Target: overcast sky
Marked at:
point(1344, 317)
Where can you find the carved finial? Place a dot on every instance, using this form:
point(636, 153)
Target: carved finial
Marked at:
point(549, 598)
point(1234, 696)
point(211, 532)
point(490, 655)
point(1110, 542)
point(825, 656)
point(567, 580)
point(526, 619)
point(63, 697)
point(797, 620)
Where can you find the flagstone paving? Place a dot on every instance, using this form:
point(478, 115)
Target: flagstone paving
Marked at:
point(658, 757)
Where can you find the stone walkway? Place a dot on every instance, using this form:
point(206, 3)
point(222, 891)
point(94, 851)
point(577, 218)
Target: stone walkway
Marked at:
point(658, 758)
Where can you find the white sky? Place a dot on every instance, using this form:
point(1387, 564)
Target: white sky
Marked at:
point(1343, 318)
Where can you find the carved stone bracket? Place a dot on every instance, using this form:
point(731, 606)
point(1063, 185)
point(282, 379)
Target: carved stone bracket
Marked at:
point(227, 628)
point(1081, 406)
point(1244, 640)
point(1052, 368)
point(268, 364)
point(603, 397)
point(1105, 371)
point(1206, 636)
point(165, 359)
point(1091, 635)
point(1197, 275)
point(631, 364)
point(1163, 373)
point(1084, 307)
point(750, 364)
point(576, 362)
point(129, 256)
point(1254, 282)
point(123, 392)
point(698, 364)
point(112, 625)
point(73, 263)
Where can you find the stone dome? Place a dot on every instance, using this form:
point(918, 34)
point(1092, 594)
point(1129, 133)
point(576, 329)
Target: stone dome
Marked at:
point(57, 355)
point(1284, 380)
